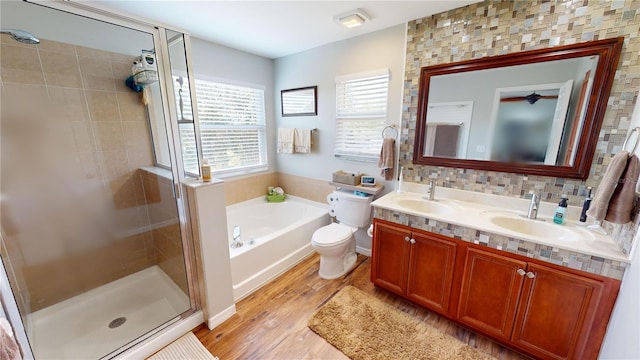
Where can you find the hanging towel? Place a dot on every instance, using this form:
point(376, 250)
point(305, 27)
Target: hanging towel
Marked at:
point(442, 140)
point(285, 140)
point(9, 348)
point(608, 184)
point(302, 141)
point(387, 158)
point(446, 141)
point(623, 198)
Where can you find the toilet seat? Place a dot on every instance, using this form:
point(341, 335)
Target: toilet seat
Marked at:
point(332, 235)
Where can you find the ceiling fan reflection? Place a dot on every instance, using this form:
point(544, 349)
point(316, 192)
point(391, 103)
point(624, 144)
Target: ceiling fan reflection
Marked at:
point(531, 98)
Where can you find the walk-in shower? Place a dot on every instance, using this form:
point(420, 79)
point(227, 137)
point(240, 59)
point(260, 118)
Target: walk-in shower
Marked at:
point(21, 36)
point(92, 227)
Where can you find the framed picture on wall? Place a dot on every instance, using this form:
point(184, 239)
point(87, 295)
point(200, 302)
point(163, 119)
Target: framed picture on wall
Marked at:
point(299, 102)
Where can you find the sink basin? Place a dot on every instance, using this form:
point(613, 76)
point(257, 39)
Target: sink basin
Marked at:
point(427, 206)
point(538, 228)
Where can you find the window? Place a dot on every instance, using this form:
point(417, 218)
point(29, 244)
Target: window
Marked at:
point(232, 128)
point(361, 113)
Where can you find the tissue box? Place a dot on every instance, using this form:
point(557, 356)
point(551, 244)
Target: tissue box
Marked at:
point(346, 178)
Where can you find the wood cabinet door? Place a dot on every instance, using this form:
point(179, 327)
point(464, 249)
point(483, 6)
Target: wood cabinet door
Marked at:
point(431, 263)
point(556, 313)
point(490, 290)
point(389, 257)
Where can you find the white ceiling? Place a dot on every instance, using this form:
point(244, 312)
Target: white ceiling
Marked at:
point(274, 29)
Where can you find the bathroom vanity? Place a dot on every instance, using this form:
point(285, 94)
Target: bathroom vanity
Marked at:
point(544, 289)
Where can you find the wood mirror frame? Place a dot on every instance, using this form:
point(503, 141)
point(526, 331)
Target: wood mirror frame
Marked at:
point(607, 50)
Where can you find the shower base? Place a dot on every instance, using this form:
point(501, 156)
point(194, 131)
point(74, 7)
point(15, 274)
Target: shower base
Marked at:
point(79, 328)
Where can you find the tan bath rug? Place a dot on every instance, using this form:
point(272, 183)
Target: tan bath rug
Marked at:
point(363, 327)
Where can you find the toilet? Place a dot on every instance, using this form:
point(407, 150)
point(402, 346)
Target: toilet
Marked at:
point(336, 242)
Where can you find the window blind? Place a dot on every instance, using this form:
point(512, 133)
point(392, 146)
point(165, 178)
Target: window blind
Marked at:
point(232, 128)
point(361, 112)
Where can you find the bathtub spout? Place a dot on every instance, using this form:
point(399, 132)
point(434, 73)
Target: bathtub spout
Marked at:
point(236, 243)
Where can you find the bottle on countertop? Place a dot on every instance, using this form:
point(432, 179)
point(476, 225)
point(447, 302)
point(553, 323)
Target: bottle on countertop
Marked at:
point(585, 206)
point(400, 180)
point(561, 211)
point(205, 170)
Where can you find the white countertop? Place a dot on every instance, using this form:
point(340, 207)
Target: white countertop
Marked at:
point(475, 210)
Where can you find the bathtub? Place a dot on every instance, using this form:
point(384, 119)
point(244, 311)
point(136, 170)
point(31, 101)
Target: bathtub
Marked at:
point(276, 236)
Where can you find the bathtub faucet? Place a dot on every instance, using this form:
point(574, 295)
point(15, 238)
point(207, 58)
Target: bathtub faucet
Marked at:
point(236, 243)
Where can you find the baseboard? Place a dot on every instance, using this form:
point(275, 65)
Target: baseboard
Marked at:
point(221, 317)
point(363, 251)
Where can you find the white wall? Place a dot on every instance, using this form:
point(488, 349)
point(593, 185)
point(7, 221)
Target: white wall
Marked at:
point(219, 62)
point(61, 26)
point(623, 333)
point(319, 66)
point(621, 339)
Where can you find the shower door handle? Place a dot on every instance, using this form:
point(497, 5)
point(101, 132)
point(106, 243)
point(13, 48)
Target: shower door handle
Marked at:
point(176, 190)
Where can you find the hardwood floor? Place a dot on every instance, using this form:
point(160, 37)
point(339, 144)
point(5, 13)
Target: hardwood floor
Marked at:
point(271, 323)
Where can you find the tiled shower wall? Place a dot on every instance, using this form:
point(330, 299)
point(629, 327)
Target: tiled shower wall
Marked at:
point(103, 142)
point(498, 27)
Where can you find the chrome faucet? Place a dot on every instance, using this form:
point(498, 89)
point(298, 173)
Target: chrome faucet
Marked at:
point(236, 243)
point(432, 189)
point(533, 206)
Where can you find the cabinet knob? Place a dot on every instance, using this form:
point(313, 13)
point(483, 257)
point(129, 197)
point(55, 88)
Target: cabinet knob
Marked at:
point(412, 241)
point(406, 238)
point(521, 272)
point(531, 275)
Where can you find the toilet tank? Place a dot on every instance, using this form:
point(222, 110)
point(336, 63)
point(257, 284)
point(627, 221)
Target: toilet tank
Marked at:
point(353, 210)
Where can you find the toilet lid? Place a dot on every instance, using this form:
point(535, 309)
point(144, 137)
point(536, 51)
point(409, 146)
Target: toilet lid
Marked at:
point(331, 234)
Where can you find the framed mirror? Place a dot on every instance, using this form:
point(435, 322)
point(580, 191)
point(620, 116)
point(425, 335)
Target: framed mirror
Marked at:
point(300, 101)
point(534, 112)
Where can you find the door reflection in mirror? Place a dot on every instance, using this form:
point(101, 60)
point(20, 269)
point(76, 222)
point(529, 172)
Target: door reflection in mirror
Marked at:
point(527, 123)
point(501, 123)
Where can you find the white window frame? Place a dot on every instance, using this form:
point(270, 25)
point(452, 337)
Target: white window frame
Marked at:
point(261, 128)
point(359, 129)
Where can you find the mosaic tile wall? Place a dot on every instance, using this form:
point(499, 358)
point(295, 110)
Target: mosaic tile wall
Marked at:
point(574, 260)
point(499, 27)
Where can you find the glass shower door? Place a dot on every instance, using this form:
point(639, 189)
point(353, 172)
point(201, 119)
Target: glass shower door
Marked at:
point(91, 224)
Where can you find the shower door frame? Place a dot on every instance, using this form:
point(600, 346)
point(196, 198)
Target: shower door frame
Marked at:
point(158, 33)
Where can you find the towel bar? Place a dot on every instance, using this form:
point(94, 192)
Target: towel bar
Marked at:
point(392, 127)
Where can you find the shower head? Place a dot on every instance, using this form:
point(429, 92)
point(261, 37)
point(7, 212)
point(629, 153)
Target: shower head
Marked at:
point(21, 36)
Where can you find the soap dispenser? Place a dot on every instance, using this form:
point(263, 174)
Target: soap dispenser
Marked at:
point(585, 206)
point(561, 212)
point(205, 170)
point(400, 180)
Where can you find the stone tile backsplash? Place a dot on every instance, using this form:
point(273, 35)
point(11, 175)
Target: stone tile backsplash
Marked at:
point(574, 260)
point(498, 27)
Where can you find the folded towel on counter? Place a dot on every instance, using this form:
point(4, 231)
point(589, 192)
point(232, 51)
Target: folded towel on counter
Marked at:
point(285, 140)
point(623, 199)
point(302, 141)
point(612, 182)
point(387, 158)
point(9, 348)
